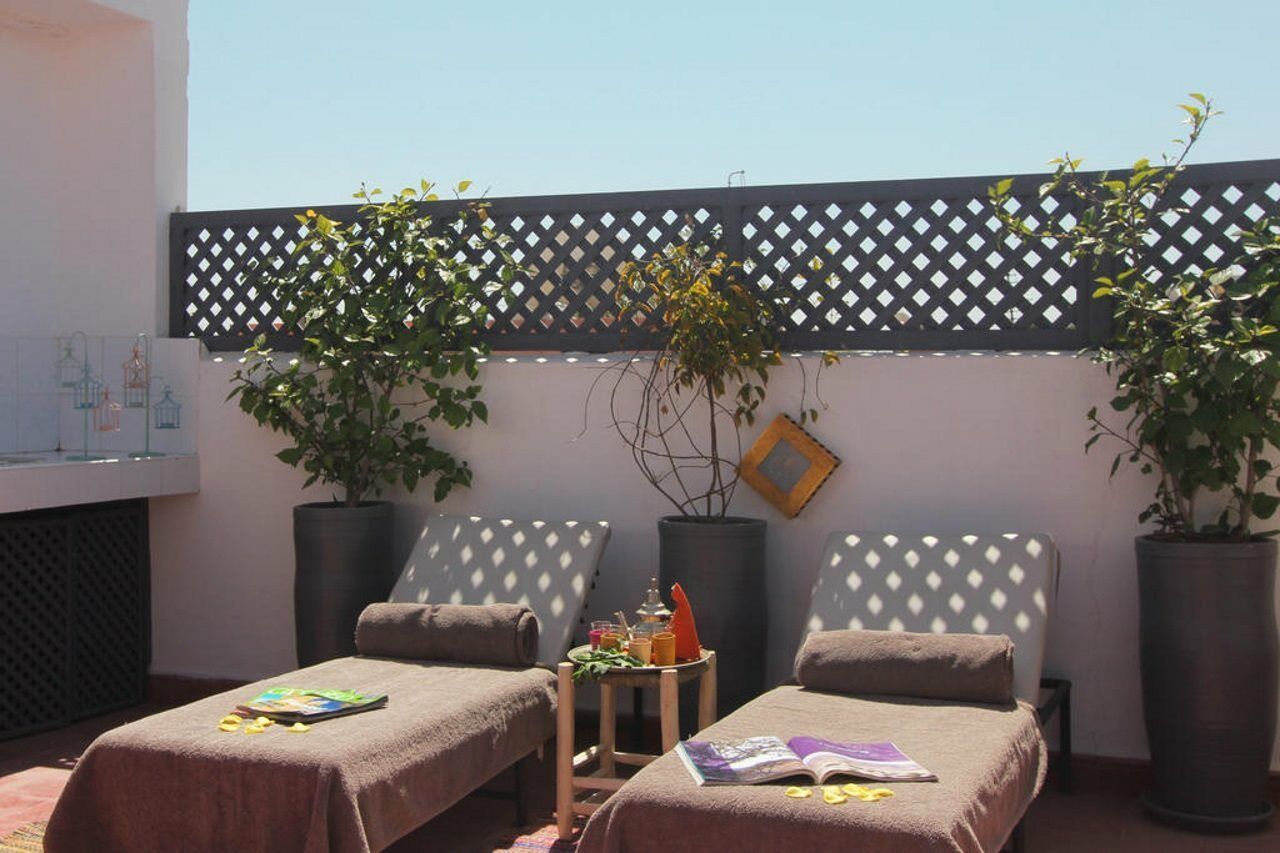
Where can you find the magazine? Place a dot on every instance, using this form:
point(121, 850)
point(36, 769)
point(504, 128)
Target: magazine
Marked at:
point(292, 704)
point(765, 759)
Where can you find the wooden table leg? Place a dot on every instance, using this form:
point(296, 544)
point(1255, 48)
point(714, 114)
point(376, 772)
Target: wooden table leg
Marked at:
point(707, 694)
point(608, 729)
point(669, 708)
point(564, 752)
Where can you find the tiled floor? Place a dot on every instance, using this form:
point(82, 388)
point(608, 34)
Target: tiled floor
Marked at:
point(1103, 815)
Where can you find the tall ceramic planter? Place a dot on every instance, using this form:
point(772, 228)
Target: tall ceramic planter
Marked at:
point(1209, 679)
point(343, 563)
point(720, 565)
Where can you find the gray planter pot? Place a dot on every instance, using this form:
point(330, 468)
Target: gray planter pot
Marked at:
point(720, 566)
point(343, 563)
point(1209, 679)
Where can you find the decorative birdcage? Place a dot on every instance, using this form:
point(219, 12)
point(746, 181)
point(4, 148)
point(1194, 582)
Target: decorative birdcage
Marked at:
point(137, 375)
point(86, 391)
point(106, 415)
point(68, 367)
point(168, 412)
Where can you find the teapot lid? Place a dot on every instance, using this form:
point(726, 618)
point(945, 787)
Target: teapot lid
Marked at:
point(653, 608)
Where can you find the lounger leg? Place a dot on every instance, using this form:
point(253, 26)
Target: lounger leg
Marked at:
point(1018, 840)
point(564, 752)
point(707, 694)
point(1064, 743)
point(522, 769)
point(608, 729)
point(669, 708)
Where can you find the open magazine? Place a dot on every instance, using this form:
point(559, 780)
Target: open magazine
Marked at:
point(765, 759)
point(292, 704)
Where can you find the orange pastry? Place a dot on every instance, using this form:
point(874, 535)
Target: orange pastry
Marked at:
point(682, 625)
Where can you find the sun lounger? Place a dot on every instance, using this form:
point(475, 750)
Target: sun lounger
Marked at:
point(465, 702)
point(989, 756)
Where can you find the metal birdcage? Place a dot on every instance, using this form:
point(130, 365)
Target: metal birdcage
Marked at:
point(68, 367)
point(168, 412)
point(85, 392)
point(137, 375)
point(106, 415)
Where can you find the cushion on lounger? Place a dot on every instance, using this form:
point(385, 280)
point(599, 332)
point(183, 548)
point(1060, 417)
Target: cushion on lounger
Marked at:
point(957, 667)
point(494, 634)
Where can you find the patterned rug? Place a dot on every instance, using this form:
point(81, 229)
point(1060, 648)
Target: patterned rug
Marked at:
point(30, 839)
point(536, 838)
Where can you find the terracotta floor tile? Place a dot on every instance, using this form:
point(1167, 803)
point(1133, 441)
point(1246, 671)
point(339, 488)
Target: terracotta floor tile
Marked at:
point(43, 782)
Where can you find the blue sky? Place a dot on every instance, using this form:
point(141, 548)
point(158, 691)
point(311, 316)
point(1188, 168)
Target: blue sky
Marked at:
point(294, 104)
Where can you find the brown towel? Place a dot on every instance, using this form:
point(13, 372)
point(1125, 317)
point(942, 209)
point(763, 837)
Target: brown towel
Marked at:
point(957, 667)
point(495, 634)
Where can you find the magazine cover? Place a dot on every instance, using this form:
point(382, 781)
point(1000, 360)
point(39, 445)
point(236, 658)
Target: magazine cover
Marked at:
point(766, 759)
point(294, 704)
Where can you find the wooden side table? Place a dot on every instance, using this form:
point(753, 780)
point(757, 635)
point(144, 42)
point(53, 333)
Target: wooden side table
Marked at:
point(571, 779)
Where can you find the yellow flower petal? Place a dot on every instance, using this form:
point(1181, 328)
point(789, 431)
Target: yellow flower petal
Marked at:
point(253, 729)
point(228, 727)
point(230, 720)
point(264, 721)
point(798, 793)
point(854, 790)
point(880, 793)
point(298, 727)
point(831, 794)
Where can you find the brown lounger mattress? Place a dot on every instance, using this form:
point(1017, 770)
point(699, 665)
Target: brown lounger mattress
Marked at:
point(173, 781)
point(990, 761)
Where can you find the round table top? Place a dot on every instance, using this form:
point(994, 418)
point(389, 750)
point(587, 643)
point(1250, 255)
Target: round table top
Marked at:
point(641, 676)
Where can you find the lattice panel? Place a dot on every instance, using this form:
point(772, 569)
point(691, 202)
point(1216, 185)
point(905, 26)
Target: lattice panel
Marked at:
point(925, 264)
point(573, 260)
point(908, 264)
point(34, 637)
point(109, 648)
point(219, 297)
point(1196, 233)
point(74, 626)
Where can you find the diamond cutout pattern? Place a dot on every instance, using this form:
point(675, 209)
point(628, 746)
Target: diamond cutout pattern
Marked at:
point(72, 615)
point(899, 265)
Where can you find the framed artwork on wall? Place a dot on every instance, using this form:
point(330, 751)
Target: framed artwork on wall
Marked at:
point(787, 465)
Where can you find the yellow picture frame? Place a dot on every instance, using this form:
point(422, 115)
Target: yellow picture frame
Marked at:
point(787, 465)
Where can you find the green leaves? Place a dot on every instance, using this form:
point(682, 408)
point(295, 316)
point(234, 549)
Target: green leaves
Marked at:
point(1195, 357)
point(379, 354)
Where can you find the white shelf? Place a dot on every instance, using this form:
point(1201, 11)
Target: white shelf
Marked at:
point(53, 480)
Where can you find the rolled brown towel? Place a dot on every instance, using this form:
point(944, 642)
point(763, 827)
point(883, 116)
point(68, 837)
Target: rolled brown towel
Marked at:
point(496, 634)
point(959, 667)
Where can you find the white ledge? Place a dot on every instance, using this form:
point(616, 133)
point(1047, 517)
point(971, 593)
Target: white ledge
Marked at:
point(45, 480)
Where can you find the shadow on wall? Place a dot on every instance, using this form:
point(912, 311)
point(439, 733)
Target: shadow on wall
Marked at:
point(550, 566)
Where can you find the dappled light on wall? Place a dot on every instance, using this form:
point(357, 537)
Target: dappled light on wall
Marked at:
point(547, 565)
point(939, 583)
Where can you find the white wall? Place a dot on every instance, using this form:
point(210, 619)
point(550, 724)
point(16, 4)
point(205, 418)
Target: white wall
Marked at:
point(92, 159)
point(943, 442)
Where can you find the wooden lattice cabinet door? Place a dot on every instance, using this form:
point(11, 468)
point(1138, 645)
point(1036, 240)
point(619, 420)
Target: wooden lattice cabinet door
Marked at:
point(74, 614)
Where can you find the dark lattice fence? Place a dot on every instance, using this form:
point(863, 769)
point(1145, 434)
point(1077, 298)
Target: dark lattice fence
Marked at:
point(74, 614)
point(883, 265)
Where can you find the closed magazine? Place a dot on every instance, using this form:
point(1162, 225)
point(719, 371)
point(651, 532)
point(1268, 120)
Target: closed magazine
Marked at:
point(766, 759)
point(293, 704)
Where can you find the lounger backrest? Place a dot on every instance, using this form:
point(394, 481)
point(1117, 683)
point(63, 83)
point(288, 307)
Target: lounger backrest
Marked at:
point(957, 583)
point(548, 565)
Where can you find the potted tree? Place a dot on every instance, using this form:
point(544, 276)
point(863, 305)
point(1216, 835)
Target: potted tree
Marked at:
point(388, 314)
point(1196, 361)
point(710, 343)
